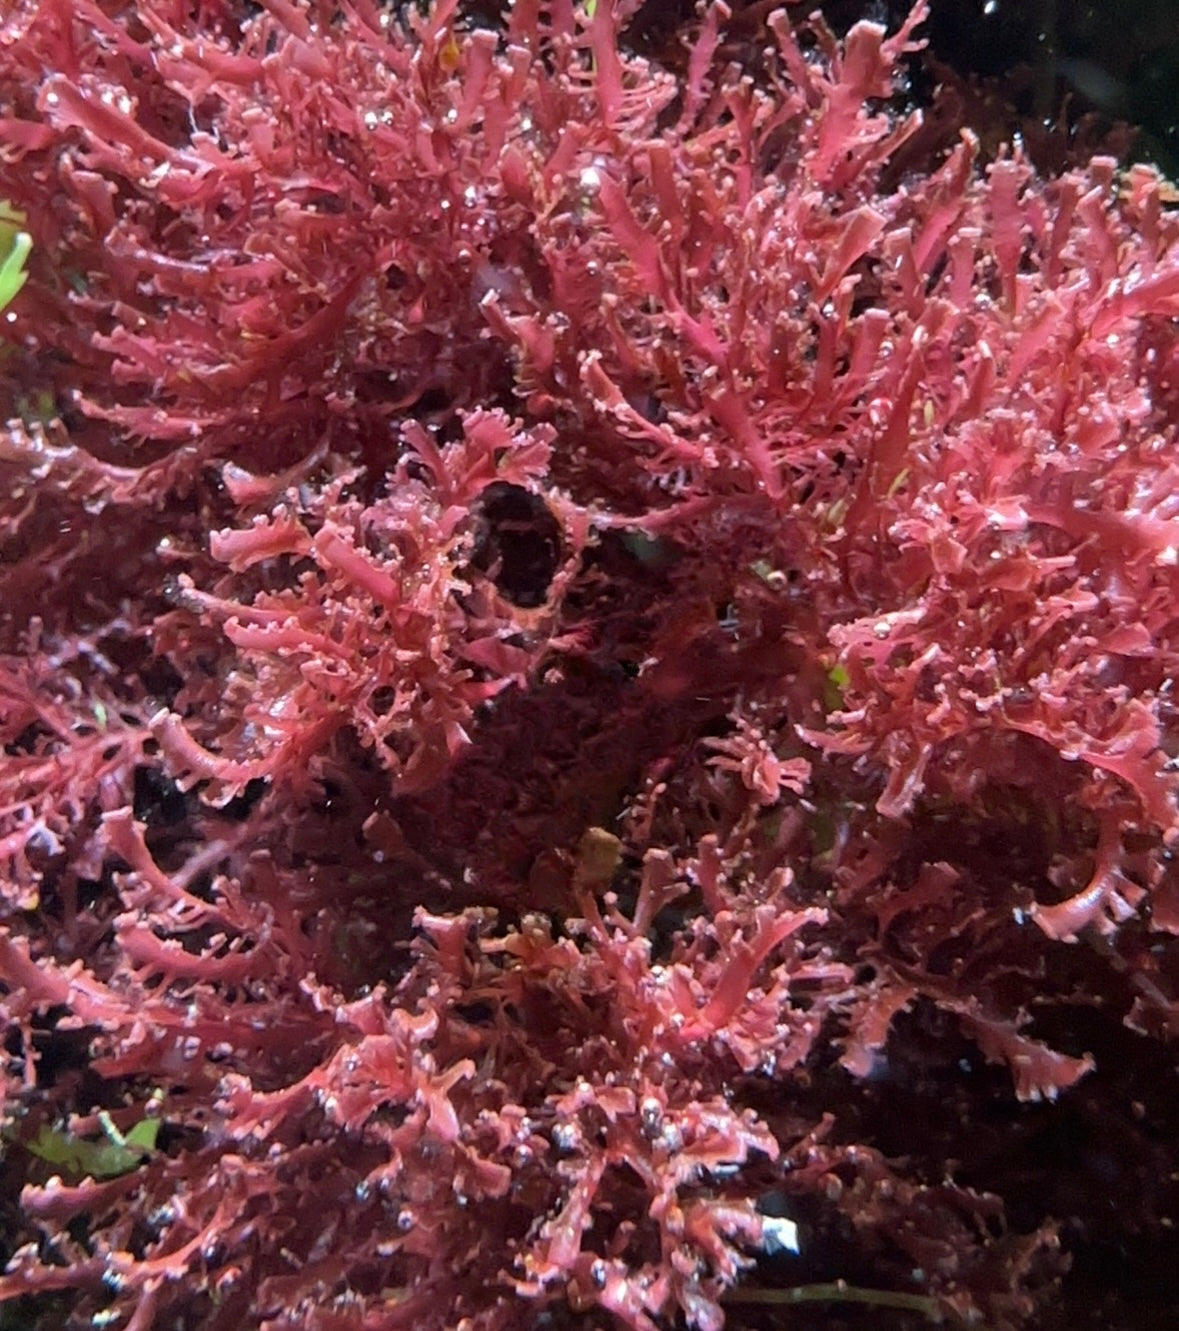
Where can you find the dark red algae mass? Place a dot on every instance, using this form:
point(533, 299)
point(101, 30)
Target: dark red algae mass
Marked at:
point(586, 655)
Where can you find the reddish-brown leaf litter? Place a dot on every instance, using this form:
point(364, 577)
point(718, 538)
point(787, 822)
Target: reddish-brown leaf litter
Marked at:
point(587, 630)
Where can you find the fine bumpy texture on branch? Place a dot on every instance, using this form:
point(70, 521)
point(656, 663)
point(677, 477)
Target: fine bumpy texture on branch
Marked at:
point(587, 630)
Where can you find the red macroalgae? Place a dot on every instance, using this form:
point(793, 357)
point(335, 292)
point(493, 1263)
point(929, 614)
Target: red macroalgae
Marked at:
point(550, 600)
